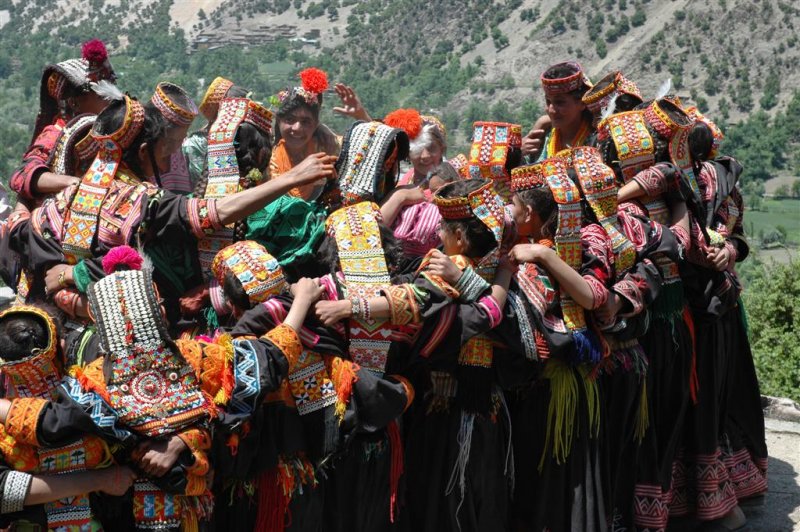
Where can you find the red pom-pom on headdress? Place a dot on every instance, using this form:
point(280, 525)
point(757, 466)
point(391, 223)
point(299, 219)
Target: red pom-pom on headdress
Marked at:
point(121, 258)
point(314, 80)
point(409, 120)
point(94, 51)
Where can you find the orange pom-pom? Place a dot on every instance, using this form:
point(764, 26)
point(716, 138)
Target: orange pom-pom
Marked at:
point(409, 120)
point(314, 80)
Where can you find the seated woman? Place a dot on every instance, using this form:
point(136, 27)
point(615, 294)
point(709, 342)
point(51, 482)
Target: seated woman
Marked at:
point(68, 89)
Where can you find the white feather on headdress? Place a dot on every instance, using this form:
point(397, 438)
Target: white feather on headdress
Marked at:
point(610, 108)
point(107, 90)
point(664, 89)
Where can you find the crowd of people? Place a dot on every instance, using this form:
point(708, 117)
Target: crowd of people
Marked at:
point(264, 325)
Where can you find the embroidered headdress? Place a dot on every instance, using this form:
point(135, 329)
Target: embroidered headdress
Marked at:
point(216, 92)
point(598, 183)
point(39, 374)
point(172, 108)
point(151, 387)
point(93, 66)
point(573, 81)
point(366, 160)
point(81, 220)
point(609, 87)
point(535, 175)
point(223, 166)
point(258, 271)
point(670, 122)
point(75, 147)
point(461, 165)
point(362, 260)
point(492, 143)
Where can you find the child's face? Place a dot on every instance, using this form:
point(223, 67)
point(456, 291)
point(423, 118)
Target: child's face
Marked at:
point(522, 217)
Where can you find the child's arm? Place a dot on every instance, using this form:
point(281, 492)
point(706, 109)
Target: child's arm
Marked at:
point(568, 279)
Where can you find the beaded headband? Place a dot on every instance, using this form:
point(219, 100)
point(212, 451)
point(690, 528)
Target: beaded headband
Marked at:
point(209, 105)
point(170, 109)
point(313, 81)
point(484, 203)
point(364, 158)
point(534, 176)
point(567, 84)
point(259, 116)
point(461, 165)
point(258, 271)
point(82, 219)
point(37, 375)
point(612, 84)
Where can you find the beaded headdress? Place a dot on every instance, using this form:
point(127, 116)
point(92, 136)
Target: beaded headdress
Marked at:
point(484, 203)
point(365, 160)
point(169, 108)
point(75, 147)
point(695, 113)
point(258, 271)
point(535, 175)
point(39, 374)
point(613, 84)
point(362, 260)
point(93, 66)
point(153, 390)
point(82, 218)
point(598, 183)
point(461, 165)
point(216, 92)
point(572, 82)
point(223, 166)
point(488, 157)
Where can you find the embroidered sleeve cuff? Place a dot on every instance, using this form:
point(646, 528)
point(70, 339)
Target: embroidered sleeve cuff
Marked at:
point(683, 236)
point(15, 490)
point(409, 389)
point(630, 292)
point(81, 277)
point(470, 285)
point(202, 215)
point(599, 291)
point(23, 418)
point(493, 311)
point(196, 439)
point(402, 304)
point(652, 180)
point(23, 178)
point(286, 339)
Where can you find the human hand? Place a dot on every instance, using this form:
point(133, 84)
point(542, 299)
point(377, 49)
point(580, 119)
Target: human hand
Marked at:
point(306, 290)
point(58, 277)
point(529, 253)
point(115, 480)
point(607, 312)
point(441, 265)
point(719, 257)
point(351, 104)
point(156, 457)
point(332, 312)
point(532, 142)
point(313, 168)
point(412, 195)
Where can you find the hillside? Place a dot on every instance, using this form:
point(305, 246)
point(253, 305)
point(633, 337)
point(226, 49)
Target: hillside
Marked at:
point(466, 60)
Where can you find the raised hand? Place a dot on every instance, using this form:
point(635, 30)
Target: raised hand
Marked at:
point(351, 104)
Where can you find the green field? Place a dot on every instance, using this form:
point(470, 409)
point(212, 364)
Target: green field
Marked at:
point(774, 213)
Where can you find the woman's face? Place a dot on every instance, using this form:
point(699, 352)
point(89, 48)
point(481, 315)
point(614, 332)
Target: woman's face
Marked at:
point(298, 127)
point(425, 160)
point(162, 150)
point(89, 102)
point(564, 110)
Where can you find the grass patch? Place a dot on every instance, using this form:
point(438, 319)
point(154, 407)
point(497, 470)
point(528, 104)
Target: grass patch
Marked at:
point(774, 213)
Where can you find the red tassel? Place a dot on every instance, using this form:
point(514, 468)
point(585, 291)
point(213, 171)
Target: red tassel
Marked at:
point(314, 80)
point(409, 120)
point(694, 383)
point(396, 470)
point(275, 488)
point(94, 51)
point(124, 256)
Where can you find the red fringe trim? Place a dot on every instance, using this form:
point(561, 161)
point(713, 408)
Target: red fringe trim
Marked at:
point(694, 383)
point(396, 470)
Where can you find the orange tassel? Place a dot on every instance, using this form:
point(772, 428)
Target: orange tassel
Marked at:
point(233, 444)
point(90, 381)
point(694, 383)
point(343, 374)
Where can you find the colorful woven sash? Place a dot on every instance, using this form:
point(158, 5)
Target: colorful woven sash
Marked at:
point(82, 219)
point(363, 263)
point(153, 390)
point(598, 184)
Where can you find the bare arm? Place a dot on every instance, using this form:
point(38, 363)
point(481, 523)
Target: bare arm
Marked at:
point(400, 198)
point(114, 480)
point(242, 204)
point(50, 183)
point(630, 190)
point(568, 279)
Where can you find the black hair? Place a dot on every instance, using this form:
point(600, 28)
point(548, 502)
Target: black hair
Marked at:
point(541, 201)
point(701, 142)
point(22, 333)
point(298, 102)
point(177, 95)
point(480, 240)
point(514, 159)
point(235, 91)
point(445, 172)
point(626, 102)
point(154, 127)
point(328, 252)
point(234, 291)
